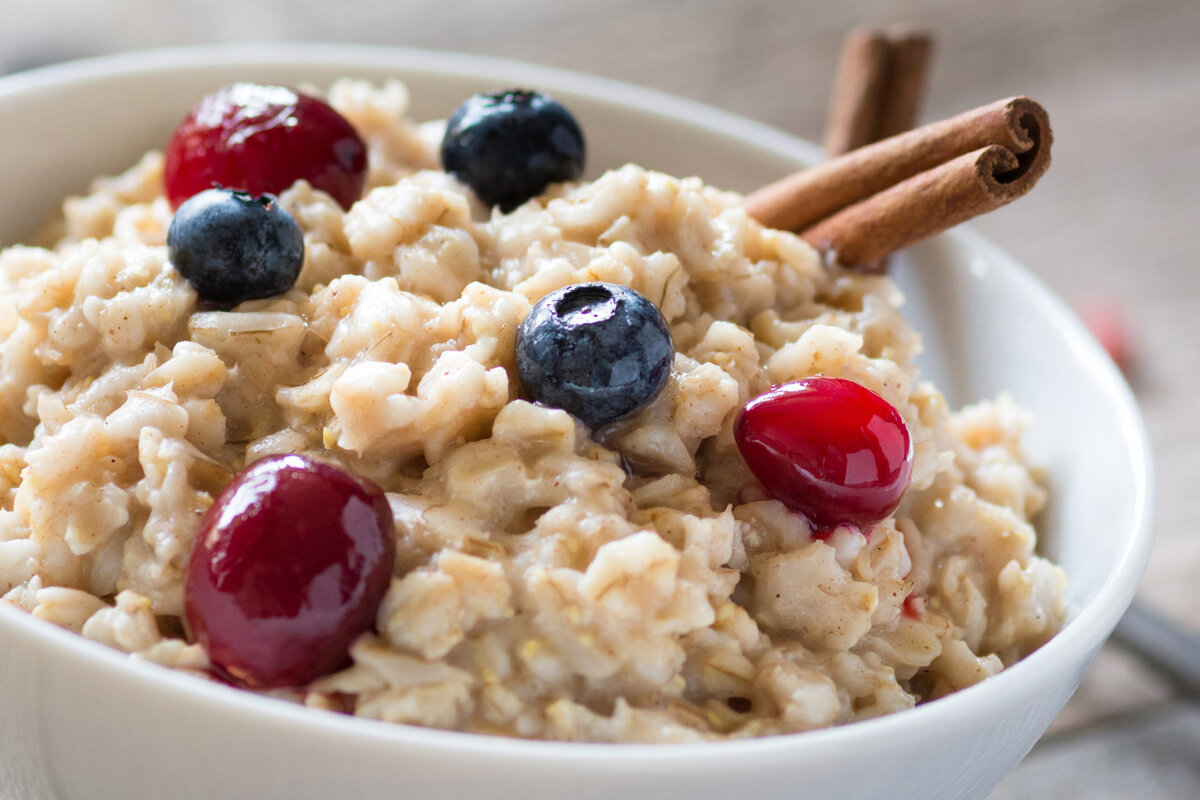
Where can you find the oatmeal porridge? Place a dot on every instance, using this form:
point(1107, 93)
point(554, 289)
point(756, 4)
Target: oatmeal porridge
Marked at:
point(555, 575)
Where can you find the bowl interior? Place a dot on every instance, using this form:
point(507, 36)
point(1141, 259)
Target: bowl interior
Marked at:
point(988, 326)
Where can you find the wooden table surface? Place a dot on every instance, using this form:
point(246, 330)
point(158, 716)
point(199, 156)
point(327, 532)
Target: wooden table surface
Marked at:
point(1116, 218)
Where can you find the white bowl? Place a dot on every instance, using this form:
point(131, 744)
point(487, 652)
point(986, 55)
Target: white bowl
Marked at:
point(78, 720)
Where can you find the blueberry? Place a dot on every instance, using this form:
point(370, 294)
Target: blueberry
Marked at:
point(232, 246)
point(510, 145)
point(600, 351)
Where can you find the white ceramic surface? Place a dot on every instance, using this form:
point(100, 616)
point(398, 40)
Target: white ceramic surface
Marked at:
point(81, 722)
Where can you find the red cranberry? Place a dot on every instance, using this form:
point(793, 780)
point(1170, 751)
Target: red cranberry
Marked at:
point(289, 568)
point(262, 139)
point(829, 449)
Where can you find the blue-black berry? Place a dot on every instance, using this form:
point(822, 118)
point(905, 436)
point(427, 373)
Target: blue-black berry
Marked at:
point(509, 146)
point(233, 246)
point(600, 351)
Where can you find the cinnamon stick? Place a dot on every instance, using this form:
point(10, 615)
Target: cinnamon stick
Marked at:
point(880, 80)
point(858, 92)
point(1008, 144)
point(927, 203)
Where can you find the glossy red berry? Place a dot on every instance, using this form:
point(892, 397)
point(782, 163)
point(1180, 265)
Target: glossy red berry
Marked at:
point(289, 568)
point(262, 139)
point(828, 448)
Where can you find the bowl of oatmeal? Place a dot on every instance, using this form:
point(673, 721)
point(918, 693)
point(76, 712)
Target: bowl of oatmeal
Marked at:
point(572, 603)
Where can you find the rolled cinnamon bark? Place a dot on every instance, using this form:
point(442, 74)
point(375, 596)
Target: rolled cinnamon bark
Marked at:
point(1018, 126)
point(858, 93)
point(880, 80)
point(906, 80)
point(927, 203)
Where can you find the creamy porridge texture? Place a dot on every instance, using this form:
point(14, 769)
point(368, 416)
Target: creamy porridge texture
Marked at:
point(629, 582)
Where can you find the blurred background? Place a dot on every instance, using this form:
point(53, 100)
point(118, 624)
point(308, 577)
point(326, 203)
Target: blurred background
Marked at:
point(1113, 228)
